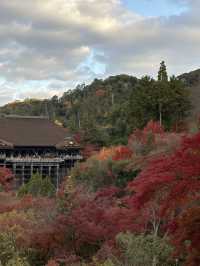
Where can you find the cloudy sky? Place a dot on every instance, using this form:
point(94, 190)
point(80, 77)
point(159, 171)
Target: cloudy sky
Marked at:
point(49, 46)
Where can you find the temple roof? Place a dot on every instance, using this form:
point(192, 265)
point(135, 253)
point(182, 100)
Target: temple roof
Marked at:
point(30, 131)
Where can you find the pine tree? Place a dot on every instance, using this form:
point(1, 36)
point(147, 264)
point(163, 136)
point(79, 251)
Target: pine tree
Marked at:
point(162, 73)
point(163, 78)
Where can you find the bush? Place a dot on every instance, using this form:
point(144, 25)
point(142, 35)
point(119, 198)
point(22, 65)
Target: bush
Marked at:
point(109, 167)
point(9, 256)
point(7, 247)
point(38, 186)
point(97, 174)
point(140, 250)
point(17, 261)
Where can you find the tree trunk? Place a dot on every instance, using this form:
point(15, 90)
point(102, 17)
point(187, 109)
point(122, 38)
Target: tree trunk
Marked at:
point(154, 262)
point(160, 113)
point(79, 121)
point(112, 98)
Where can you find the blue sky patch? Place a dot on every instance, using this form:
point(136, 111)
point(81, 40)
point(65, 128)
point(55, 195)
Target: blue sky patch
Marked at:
point(156, 7)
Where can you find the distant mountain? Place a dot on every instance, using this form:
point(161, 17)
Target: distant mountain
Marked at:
point(192, 82)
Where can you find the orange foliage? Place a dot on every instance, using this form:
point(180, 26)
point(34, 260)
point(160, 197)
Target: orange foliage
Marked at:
point(52, 263)
point(89, 150)
point(115, 153)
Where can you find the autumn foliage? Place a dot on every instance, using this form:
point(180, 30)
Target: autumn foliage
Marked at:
point(6, 178)
point(119, 202)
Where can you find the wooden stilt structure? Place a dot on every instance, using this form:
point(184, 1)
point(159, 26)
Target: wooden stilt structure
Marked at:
point(30, 144)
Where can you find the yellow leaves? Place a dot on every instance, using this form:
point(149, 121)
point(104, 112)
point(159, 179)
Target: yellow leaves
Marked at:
point(16, 221)
point(69, 185)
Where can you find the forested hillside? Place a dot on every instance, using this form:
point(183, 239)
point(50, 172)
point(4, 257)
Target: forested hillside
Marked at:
point(106, 111)
point(98, 108)
point(192, 81)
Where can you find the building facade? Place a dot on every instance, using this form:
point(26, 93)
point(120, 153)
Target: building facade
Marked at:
point(31, 145)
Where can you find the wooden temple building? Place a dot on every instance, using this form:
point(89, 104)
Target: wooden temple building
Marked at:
point(31, 145)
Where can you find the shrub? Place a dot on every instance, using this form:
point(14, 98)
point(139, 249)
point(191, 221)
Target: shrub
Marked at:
point(7, 247)
point(140, 250)
point(9, 255)
point(38, 186)
point(109, 167)
point(17, 261)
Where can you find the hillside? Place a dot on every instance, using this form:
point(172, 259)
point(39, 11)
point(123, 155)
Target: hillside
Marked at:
point(107, 111)
point(192, 81)
point(98, 108)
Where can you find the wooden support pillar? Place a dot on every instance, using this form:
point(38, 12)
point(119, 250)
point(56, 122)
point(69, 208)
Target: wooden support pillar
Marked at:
point(41, 170)
point(63, 171)
point(49, 168)
point(57, 177)
point(14, 168)
point(23, 174)
point(31, 169)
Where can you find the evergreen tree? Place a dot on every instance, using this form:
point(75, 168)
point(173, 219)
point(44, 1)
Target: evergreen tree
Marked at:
point(37, 186)
point(162, 89)
point(162, 73)
point(163, 101)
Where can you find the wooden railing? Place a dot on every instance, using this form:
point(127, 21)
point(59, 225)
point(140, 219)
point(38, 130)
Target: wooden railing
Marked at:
point(43, 159)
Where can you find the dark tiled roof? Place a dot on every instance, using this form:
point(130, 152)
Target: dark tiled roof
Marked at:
point(31, 131)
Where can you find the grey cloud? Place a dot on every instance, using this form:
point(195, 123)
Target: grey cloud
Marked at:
point(51, 40)
point(7, 93)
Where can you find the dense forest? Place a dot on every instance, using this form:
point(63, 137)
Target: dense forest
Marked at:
point(107, 111)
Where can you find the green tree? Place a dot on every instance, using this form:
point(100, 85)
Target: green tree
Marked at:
point(38, 186)
point(162, 73)
point(162, 89)
point(140, 250)
point(166, 101)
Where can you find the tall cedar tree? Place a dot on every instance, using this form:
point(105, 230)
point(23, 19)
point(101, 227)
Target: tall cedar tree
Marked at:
point(162, 73)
